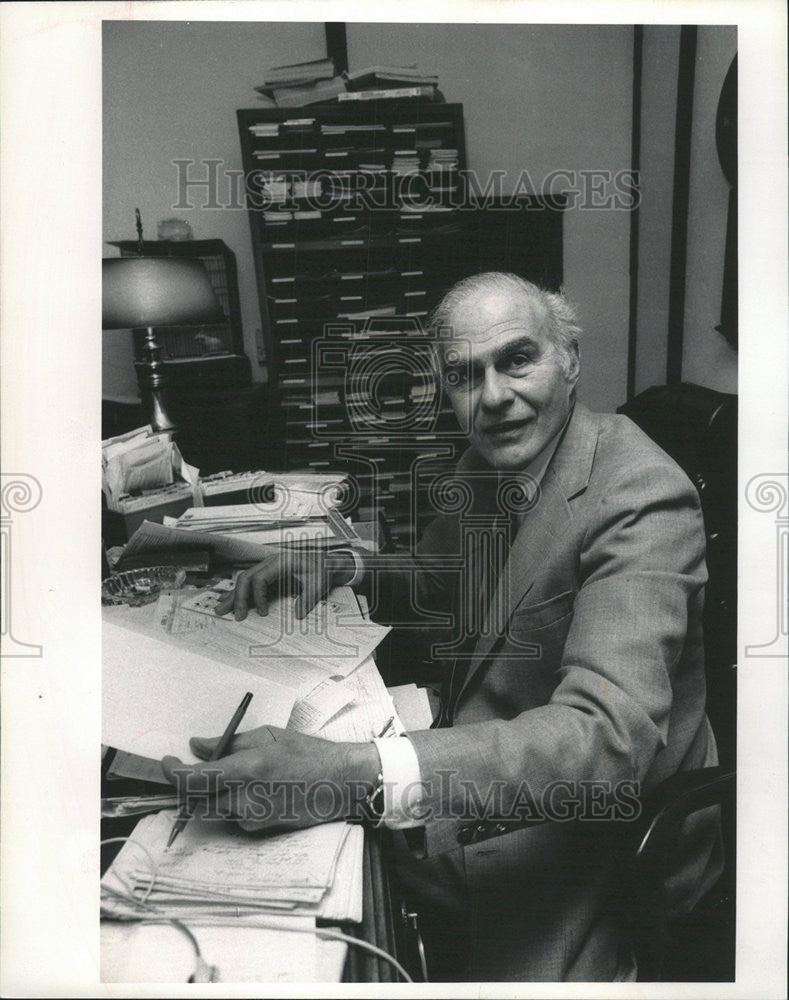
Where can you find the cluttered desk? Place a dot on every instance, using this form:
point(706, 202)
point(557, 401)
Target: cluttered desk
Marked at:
point(189, 895)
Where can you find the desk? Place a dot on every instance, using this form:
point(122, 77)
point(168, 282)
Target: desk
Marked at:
point(380, 912)
point(382, 925)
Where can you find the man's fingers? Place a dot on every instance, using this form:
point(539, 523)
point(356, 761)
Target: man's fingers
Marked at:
point(171, 765)
point(259, 593)
point(193, 779)
point(241, 597)
point(250, 586)
point(207, 778)
point(262, 736)
point(313, 587)
point(225, 604)
point(204, 746)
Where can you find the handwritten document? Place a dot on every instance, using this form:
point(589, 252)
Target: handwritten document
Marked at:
point(214, 865)
point(312, 711)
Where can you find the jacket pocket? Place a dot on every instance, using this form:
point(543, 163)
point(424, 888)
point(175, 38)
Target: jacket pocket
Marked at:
point(537, 616)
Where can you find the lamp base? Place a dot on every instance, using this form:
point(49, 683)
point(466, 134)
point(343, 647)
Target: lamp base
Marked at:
point(151, 378)
point(160, 419)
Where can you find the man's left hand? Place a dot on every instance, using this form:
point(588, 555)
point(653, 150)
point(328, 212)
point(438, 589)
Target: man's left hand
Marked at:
point(274, 778)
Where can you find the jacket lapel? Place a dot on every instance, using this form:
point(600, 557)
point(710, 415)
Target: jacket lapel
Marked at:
point(566, 476)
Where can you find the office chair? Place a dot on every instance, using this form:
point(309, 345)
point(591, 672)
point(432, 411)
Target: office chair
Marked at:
point(697, 427)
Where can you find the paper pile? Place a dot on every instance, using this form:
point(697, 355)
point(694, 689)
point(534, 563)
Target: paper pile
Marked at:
point(293, 522)
point(146, 464)
point(216, 869)
point(168, 667)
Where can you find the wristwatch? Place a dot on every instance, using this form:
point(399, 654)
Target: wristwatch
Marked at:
point(372, 805)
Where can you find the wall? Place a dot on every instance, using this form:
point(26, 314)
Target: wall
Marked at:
point(539, 97)
point(660, 56)
point(171, 90)
point(707, 358)
point(542, 98)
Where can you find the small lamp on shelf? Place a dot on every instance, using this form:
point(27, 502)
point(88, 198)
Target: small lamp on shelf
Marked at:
point(151, 292)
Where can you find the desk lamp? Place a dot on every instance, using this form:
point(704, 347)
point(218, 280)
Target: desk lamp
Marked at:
point(150, 292)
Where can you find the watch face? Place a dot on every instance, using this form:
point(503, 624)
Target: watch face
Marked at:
point(372, 807)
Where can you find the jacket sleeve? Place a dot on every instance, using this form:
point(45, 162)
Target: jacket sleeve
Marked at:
point(641, 573)
point(415, 589)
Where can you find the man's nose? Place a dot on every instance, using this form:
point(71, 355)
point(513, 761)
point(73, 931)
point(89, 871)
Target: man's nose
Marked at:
point(496, 391)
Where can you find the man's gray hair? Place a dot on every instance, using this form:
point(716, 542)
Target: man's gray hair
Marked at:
point(561, 318)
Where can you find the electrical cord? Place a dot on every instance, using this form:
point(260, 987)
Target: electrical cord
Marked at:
point(205, 973)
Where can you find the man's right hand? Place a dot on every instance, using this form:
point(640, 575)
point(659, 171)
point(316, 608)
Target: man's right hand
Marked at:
point(312, 575)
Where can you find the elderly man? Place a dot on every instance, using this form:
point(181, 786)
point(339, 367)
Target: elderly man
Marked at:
point(579, 687)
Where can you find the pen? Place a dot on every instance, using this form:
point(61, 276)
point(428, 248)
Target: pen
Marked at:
point(221, 748)
point(386, 728)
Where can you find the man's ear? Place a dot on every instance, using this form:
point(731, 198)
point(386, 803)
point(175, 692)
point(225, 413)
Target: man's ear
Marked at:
point(573, 366)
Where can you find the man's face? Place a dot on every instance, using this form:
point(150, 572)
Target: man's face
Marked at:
point(507, 383)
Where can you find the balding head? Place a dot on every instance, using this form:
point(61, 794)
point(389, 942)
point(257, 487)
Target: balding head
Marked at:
point(558, 317)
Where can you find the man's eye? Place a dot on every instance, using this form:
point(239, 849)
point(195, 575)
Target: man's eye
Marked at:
point(517, 362)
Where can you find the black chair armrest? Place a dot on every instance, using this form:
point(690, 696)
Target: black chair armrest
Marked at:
point(671, 802)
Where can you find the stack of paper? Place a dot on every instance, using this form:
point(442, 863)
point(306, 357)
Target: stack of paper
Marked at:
point(413, 706)
point(216, 869)
point(381, 77)
point(135, 805)
point(143, 462)
point(443, 158)
point(156, 696)
point(167, 668)
point(175, 670)
point(295, 520)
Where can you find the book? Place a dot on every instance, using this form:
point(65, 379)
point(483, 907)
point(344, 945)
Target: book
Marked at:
point(427, 92)
point(297, 73)
point(384, 76)
point(313, 93)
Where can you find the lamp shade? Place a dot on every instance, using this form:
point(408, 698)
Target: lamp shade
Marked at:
point(157, 291)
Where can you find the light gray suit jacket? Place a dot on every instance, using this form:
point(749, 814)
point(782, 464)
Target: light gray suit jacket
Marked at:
point(597, 677)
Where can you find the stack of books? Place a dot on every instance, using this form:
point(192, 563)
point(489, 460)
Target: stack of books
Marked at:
point(317, 82)
point(301, 84)
point(388, 82)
